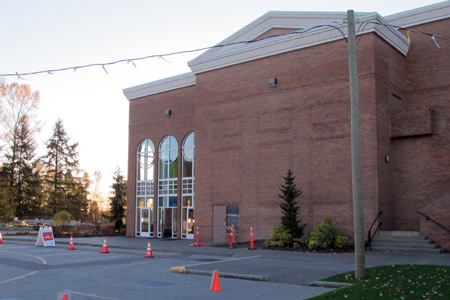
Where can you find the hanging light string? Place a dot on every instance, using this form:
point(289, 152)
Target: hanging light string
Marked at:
point(291, 35)
point(337, 25)
point(408, 31)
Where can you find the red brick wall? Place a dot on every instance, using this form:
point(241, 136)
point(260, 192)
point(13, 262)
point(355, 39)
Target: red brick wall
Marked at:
point(421, 164)
point(249, 134)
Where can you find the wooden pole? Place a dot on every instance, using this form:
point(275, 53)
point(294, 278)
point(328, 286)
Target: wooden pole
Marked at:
point(358, 206)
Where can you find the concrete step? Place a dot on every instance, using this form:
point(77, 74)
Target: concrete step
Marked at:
point(421, 241)
point(404, 241)
point(408, 250)
point(405, 246)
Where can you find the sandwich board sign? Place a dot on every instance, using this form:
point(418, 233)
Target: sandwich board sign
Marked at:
point(45, 237)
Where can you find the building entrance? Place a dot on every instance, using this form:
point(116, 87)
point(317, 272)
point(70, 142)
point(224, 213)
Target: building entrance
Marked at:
point(167, 223)
point(145, 222)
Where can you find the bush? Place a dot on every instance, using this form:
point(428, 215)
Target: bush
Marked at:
point(61, 218)
point(279, 237)
point(324, 235)
point(340, 242)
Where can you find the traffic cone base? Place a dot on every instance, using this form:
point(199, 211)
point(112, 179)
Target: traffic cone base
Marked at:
point(149, 250)
point(105, 247)
point(71, 246)
point(215, 284)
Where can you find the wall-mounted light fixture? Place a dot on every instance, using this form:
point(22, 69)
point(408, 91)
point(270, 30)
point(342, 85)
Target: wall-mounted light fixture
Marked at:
point(386, 158)
point(168, 112)
point(273, 82)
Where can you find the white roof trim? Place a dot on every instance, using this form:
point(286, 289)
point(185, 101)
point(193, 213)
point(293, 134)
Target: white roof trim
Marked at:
point(159, 86)
point(236, 54)
point(421, 15)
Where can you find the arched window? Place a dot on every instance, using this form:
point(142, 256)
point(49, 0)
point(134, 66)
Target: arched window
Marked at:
point(167, 187)
point(145, 188)
point(187, 215)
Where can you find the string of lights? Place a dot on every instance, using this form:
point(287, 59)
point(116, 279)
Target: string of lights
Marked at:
point(292, 35)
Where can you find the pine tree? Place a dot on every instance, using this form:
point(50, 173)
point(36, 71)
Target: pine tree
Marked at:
point(61, 164)
point(289, 219)
point(24, 178)
point(119, 200)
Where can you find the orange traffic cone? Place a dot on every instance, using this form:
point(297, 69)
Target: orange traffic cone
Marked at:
point(71, 246)
point(62, 296)
point(105, 247)
point(215, 284)
point(149, 250)
point(1, 241)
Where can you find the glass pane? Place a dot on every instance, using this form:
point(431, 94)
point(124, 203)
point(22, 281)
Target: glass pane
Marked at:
point(173, 155)
point(173, 143)
point(140, 202)
point(187, 201)
point(233, 218)
point(163, 171)
point(191, 221)
point(138, 220)
point(189, 141)
point(150, 148)
point(187, 169)
point(144, 220)
point(173, 201)
point(173, 169)
point(188, 154)
point(149, 202)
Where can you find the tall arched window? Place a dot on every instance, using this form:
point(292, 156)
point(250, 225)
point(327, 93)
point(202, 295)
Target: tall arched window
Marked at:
point(187, 215)
point(145, 188)
point(167, 187)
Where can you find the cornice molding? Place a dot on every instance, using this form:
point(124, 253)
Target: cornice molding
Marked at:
point(159, 86)
point(426, 14)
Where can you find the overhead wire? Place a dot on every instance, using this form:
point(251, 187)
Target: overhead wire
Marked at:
point(335, 25)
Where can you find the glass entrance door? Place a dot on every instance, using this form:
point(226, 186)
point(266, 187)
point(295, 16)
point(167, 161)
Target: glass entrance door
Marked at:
point(167, 223)
point(145, 222)
point(187, 221)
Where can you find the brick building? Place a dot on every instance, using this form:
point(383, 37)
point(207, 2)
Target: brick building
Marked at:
point(217, 141)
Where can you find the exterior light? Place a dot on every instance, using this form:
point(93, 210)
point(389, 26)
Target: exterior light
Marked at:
point(272, 82)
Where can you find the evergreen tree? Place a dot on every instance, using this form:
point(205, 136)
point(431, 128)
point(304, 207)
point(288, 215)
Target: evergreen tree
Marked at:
point(6, 205)
point(23, 177)
point(119, 200)
point(61, 164)
point(289, 207)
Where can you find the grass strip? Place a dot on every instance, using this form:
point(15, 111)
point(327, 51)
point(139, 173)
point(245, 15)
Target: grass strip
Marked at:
point(396, 282)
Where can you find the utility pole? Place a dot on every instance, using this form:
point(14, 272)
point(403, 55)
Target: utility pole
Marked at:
point(358, 206)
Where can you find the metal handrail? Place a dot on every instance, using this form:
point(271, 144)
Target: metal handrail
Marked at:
point(428, 218)
point(369, 235)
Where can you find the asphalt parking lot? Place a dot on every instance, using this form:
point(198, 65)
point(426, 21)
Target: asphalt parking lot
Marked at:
point(36, 273)
point(30, 272)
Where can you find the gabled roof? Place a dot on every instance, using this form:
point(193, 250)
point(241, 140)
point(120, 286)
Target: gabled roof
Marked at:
point(305, 29)
point(313, 28)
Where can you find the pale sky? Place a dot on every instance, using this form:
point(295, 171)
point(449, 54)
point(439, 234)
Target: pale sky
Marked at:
point(52, 34)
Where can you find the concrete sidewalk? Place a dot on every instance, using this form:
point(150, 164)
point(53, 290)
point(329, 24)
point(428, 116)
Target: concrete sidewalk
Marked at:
point(302, 268)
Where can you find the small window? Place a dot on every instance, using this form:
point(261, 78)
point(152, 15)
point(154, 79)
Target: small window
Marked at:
point(233, 218)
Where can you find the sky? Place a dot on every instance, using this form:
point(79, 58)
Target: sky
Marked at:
point(53, 34)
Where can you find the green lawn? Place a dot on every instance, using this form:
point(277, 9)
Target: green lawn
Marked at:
point(394, 282)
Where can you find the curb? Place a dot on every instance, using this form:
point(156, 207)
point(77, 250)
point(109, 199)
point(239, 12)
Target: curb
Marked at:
point(12, 238)
point(330, 284)
point(182, 269)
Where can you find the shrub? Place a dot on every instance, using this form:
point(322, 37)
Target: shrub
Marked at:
point(279, 237)
point(61, 218)
point(340, 242)
point(108, 228)
point(324, 235)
